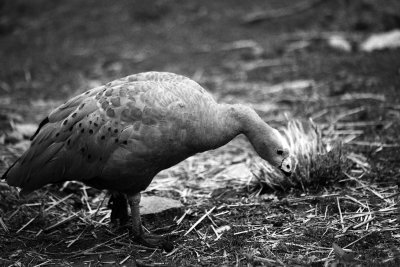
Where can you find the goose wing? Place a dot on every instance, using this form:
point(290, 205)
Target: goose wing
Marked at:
point(126, 120)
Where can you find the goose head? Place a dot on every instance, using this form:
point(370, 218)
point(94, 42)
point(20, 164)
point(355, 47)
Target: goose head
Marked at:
point(267, 141)
point(275, 150)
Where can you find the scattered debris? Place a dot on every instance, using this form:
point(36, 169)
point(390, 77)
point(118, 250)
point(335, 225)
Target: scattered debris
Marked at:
point(339, 42)
point(3, 225)
point(379, 41)
point(363, 96)
point(199, 220)
point(253, 46)
point(261, 64)
point(298, 45)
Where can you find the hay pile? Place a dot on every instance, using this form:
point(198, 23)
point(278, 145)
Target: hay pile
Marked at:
point(319, 160)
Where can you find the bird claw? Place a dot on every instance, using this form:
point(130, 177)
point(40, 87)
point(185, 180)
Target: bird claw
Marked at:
point(154, 241)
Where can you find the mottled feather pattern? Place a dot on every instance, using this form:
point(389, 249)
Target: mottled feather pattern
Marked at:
point(117, 135)
point(120, 135)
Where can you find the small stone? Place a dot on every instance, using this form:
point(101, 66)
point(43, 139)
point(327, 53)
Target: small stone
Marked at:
point(155, 205)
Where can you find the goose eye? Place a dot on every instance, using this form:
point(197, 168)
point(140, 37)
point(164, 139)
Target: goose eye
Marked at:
point(279, 152)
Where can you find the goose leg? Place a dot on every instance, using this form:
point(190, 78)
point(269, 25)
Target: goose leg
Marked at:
point(148, 240)
point(119, 209)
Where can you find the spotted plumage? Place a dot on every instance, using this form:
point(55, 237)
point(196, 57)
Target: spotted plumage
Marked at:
point(120, 135)
point(113, 133)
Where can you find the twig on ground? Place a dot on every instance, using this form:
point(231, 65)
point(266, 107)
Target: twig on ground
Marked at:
point(340, 214)
point(28, 223)
point(199, 220)
point(3, 225)
point(124, 260)
point(61, 222)
point(58, 202)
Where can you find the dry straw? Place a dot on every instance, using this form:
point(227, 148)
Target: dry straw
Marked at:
point(319, 161)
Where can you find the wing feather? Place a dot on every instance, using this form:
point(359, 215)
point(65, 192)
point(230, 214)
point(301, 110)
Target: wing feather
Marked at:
point(106, 130)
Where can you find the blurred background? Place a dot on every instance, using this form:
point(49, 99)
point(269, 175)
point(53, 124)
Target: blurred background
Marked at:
point(52, 49)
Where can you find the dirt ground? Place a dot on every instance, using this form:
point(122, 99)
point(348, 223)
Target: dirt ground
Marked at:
point(52, 50)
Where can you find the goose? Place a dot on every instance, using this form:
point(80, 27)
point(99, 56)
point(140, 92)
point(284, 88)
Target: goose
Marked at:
point(120, 135)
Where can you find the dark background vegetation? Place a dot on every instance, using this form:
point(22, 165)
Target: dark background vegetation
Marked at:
point(51, 50)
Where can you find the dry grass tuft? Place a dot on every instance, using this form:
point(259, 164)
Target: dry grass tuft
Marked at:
point(319, 160)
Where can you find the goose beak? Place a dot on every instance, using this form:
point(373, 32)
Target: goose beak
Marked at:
point(287, 166)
